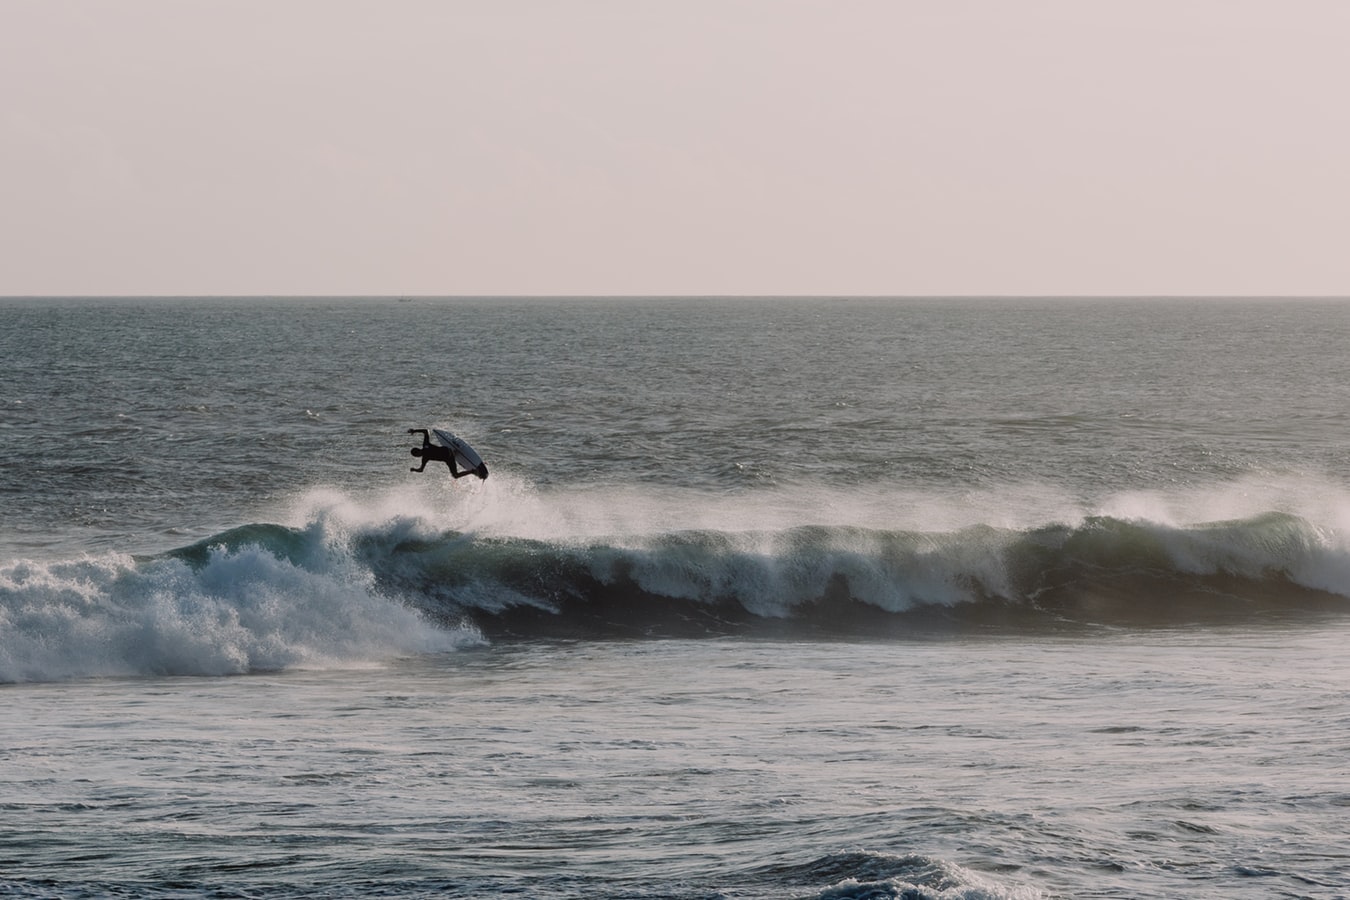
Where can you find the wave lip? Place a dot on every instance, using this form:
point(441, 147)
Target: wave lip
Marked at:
point(859, 581)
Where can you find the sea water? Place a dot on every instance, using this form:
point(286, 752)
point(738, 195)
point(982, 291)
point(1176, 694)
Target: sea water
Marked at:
point(780, 597)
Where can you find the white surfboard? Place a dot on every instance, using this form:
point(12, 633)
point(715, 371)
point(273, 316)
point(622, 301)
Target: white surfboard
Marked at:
point(466, 457)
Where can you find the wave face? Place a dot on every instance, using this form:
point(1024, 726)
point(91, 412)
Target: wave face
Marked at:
point(861, 581)
point(350, 583)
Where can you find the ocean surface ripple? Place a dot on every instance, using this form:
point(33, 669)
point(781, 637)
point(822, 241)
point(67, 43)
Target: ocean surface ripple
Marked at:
point(835, 598)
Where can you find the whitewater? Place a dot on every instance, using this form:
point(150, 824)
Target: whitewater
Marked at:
point(765, 597)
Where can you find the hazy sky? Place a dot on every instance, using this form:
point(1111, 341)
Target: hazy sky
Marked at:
point(674, 146)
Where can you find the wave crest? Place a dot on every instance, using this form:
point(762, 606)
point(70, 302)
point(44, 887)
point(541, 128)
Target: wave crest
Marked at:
point(340, 589)
point(855, 580)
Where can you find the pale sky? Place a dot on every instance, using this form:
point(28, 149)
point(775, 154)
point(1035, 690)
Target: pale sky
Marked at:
point(675, 147)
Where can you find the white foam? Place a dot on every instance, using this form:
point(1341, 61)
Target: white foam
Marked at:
point(243, 611)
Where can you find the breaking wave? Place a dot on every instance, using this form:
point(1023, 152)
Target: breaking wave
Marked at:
point(264, 598)
point(879, 876)
point(347, 584)
point(851, 580)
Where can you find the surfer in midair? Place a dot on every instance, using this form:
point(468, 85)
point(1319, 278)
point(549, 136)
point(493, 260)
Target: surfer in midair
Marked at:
point(430, 452)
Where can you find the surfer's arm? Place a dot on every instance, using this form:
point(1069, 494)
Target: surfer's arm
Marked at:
point(426, 438)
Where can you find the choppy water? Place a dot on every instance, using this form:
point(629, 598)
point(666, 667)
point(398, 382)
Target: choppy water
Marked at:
point(764, 598)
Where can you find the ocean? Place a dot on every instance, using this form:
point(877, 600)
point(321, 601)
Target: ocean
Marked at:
point(831, 598)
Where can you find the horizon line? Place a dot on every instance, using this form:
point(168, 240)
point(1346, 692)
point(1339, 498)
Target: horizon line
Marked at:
point(673, 296)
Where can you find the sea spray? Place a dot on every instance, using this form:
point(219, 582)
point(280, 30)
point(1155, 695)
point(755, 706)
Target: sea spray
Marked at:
point(585, 566)
point(215, 611)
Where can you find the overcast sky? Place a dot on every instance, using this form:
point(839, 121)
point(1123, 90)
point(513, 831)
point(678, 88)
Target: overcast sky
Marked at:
point(674, 147)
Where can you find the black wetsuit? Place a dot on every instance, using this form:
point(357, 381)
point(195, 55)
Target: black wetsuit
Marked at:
point(434, 453)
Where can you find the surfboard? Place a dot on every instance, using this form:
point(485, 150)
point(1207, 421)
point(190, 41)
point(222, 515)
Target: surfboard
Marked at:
point(465, 456)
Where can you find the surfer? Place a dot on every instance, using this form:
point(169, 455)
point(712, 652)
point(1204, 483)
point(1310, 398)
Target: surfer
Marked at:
point(430, 452)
